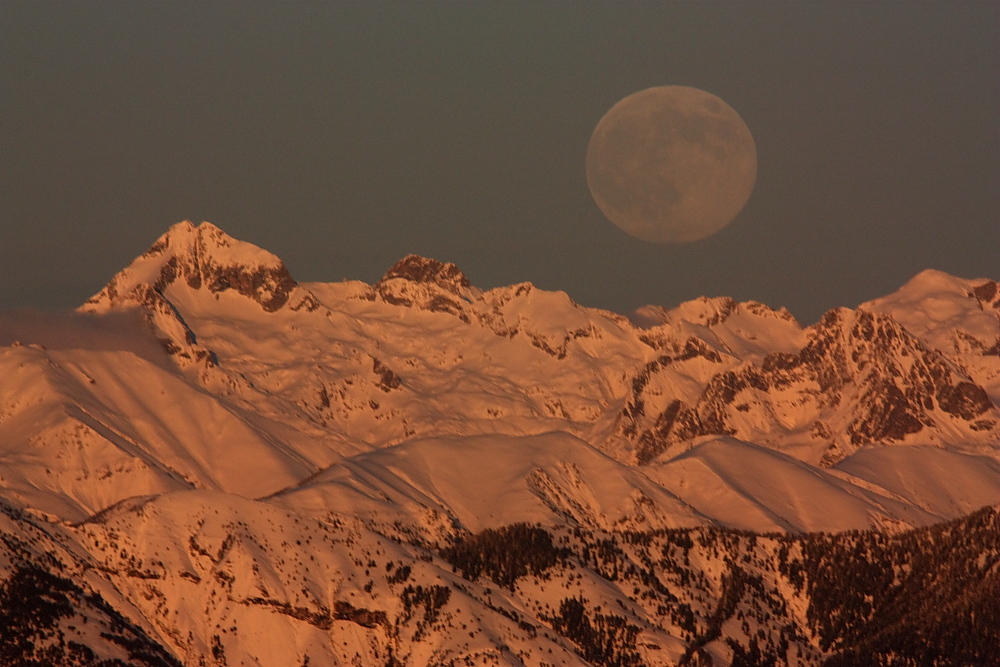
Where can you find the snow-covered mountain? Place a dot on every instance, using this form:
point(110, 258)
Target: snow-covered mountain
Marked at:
point(251, 470)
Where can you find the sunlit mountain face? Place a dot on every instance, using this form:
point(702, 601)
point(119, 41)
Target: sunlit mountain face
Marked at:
point(212, 464)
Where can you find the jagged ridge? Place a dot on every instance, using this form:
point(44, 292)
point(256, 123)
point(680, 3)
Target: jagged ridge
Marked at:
point(396, 430)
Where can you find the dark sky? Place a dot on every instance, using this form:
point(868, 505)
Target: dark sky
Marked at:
point(342, 136)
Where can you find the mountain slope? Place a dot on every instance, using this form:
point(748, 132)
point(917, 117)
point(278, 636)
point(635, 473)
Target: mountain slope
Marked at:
point(298, 378)
point(212, 464)
point(201, 578)
point(479, 482)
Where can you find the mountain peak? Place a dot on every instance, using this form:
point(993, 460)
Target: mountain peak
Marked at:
point(201, 256)
point(934, 289)
point(208, 242)
point(426, 284)
point(425, 270)
point(949, 313)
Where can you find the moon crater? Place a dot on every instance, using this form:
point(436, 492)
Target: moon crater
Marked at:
point(671, 164)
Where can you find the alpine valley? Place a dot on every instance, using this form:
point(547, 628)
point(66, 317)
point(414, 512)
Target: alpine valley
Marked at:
point(211, 464)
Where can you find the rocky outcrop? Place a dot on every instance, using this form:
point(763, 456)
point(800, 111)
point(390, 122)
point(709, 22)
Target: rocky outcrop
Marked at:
point(426, 284)
point(917, 365)
point(424, 270)
point(988, 294)
point(859, 370)
point(203, 257)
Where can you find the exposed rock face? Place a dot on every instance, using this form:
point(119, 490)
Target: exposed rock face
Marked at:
point(204, 257)
point(988, 294)
point(965, 400)
point(901, 369)
point(860, 370)
point(678, 421)
point(150, 585)
point(426, 284)
point(423, 270)
point(432, 482)
point(201, 258)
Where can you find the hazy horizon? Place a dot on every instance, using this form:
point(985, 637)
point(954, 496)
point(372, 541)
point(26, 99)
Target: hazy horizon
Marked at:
point(343, 136)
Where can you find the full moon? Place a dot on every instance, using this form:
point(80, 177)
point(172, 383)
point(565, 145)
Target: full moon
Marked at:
point(671, 164)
